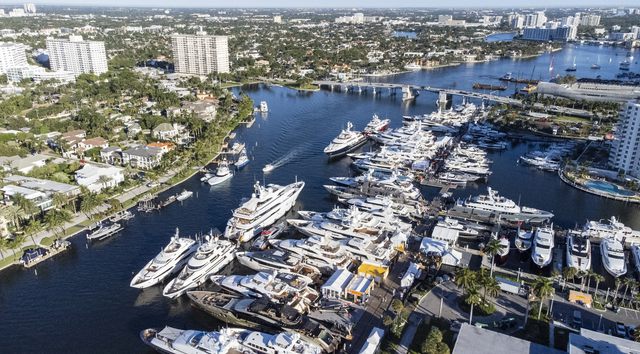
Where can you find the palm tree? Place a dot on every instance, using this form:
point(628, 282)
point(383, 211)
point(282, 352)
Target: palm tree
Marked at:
point(104, 181)
point(627, 282)
point(568, 273)
point(617, 282)
point(597, 278)
point(27, 206)
point(89, 203)
point(542, 288)
point(465, 279)
point(59, 200)
point(491, 287)
point(583, 276)
point(492, 249)
point(473, 298)
point(590, 274)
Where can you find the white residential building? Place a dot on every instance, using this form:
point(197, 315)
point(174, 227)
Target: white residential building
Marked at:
point(12, 55)
point(77, 55)
point(590, 20)
point(200, 54)
point(624, 149)
point(536, 19)
point(97, 178)
point(550, 33)
point(29, 8)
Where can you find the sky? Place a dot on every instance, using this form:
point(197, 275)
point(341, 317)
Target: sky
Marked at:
point(338, 3)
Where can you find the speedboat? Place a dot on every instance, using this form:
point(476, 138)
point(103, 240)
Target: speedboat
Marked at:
point(543, 243)
point(523, 240)
point(264, 108)
point(243, 159)
point(265, 207)
point(345, 142)
point(613, 257)
point(172, 258)
point(376, 125)
point(223, 173)
point(185, 194)
point(268, 168)
point(494, 204)
point(210, 257)
point(578, 250)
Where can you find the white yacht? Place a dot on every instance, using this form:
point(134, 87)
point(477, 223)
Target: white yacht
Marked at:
point(413, 67)
point(185, 194)
point(317, 251)
point(578, 250)
point(492, 204)
point(242, 160)
point(366, 249)
point(610, 228)
point(542, 248)
point(265, 207)
point(376, 125)
point(503, 252)
point(223, 173)
point(264, 108)
point(454, 224)
point(347, 141)
point(523, 240)
point(172, 258)
point(210, 257)
point(269, 260)
point(613, 259)
point(103, 232)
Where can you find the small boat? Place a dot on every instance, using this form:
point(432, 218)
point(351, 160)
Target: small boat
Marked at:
point(243, 159)
point(595, 66)
point(573, 67)
point(503, 252)
point(523, 240)
point(262, 241)
point(264, 108)
point(104, 231)
point(122, 215)
point(624, 66)
point(223, 173)
point(268, 168)
point(185, 194)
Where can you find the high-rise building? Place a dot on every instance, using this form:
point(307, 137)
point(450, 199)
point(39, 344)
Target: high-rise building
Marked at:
point(536, 19)
point(12, 55)
point(77, 55)
point(29, 8)
point(200, 54)
point(624, 149)
point(551, 32)
point(590, 20)
point(277, 19)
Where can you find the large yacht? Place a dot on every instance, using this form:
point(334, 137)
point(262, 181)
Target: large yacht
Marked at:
point(610, 228)
point(210, 258)
point(223, 173)
point(376, 125)
point(613, 259)
point(379, 251)
point(347, 141)
point(263, 314)
point(523, 240)
point(171, 259)
point(269, 260)
point(542, 248)
point(226, 341)
point(317, 251)
point(373, 204)
point(492, 204)
point(578, 250)
point(266, 206)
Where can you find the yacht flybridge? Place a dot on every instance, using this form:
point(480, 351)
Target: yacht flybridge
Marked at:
point(543, 243)
point(171, 259)
point(578, 250)
point(265, 207)
point(613, 258)
point(492, 204)
point(347, 141)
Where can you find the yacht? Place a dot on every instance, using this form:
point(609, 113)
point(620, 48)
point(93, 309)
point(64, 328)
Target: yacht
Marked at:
point(578, 250)
point(265, 207)
point(268, 168)
point(595, 66)
point(210, 257)
point(542, 248)
point(454, 224)
point(317, 251)
point(225, 341)
point(269, 260)
point(610, 228)
point(373, 204)
point(612, 254)
point(379, 251)
point(103, 232)
point(503, 251)
point(185, 194)
point(347, 141)
point(523, 240)
point(492, 204)
point(413, 67)
point(223, 173)
point(376, 125)
point(263, 314)
point(172, 258)
point(625, 65)
point(242, 160)
point(264, 108)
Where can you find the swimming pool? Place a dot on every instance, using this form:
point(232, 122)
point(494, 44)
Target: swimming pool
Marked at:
point(610, 188)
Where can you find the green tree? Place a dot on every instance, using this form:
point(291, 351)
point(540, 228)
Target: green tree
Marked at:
point(542, 288)
point(89, 203)
point(597, 278)
point(492, 248)
point(55, 219)
point(473, 299)
point(569, 273)
point(466, 279)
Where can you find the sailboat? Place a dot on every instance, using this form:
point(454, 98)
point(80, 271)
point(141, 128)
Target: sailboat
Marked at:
point(573, 67)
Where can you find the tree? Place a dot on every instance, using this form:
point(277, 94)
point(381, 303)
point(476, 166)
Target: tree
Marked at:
point(433, 344)
point(57, 218)
point(569, 273)
point(89, 203)
point(465, 279)
point(397, 305)
point(492, 248)
point(597, 278)
point(542, 288)
point(491, 287)
point(627, 282)
point(104, 181)
point(26, 206)
point(59, 200)
point(473, 299)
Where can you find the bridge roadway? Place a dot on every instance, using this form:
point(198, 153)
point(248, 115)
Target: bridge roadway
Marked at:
point(483, 96)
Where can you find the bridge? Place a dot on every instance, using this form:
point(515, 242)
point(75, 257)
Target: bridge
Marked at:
point(411, 91)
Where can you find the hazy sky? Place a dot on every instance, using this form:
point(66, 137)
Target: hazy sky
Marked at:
point(337, 3)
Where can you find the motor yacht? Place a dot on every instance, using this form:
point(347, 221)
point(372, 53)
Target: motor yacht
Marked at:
point(542, 248)
point(264, 108)
point(317, 251)
point(269, 260)
point(523, 240)
point(613, 258)
point(376, 125)
point(454, 224)
point(379, 251)
point(347, 141)
point(185, 194)
point(172, 258)
point(223, 173)
point(265, 207)
point(104, 231)
point(503, 252)
point(243, 159)
point(610, 228)
point(372, 204)
point(578, 250)
point(492, 204)
point(210, 257)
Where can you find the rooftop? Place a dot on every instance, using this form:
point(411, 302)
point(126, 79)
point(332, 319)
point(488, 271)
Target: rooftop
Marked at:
point(472, 339)
point(591, 342)
point(42, 184)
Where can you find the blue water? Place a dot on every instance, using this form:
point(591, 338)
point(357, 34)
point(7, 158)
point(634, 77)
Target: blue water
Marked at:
point(405, 34)
point(500, 37)
point(609, 188)
point(81, 301)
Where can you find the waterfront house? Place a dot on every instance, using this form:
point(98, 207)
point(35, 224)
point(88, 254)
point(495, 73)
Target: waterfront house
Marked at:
point(111, 155)
point(165, 147)
point(97, 178)
point(39, 199)
point(91, 143)
point(43, 185)
point(23, 164)
point(143, 157)
point(204, 109)
point(477, 340)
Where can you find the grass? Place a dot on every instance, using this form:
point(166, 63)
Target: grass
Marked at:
point(571, 119)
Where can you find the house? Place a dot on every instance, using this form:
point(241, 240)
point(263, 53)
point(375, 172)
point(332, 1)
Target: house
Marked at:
point(97, 178)
point(72, 138)
point(44, 185)
point(164, 146)
point(204, 109)
point(111, 155)
point(165, 131)
point(472, 339)
point(336, 286)
point(143, 157)
point(91, 143)
point(133, 129)
point(23, 164)
point(39, 199)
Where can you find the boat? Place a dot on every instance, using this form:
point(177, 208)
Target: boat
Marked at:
point(578, 250)
point(269, 260)
point(625, 65)
point(613, 258)
point(33, 256)
point(345, 142)
point(210, 257)
point(243, 159)
point(413, 67)
point(376, 125)
point(264, 108)
point(266, 205)
point(503, 251)
point(573, 67)
point(595, 66)
point(523, 240)
point(454, 224)
point(185, 194)
point(104, 231)
point(121, 215)
point(223, 173)
point(317, 251)
point(494, 205)
point(268, 168)
point(263, 314)
point(610, 228)
point(262, 241)
point(542, 248)
point(170, 259)
point(226, 341)
point(481, 86)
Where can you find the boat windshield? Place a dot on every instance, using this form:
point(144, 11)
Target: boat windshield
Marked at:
point(539, 245)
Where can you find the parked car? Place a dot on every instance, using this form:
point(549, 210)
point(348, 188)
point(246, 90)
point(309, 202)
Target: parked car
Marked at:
point(620, 330)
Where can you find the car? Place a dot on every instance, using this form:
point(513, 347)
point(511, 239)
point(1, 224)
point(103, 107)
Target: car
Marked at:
point(577, 319)
point(631, 331)
point(620, 330)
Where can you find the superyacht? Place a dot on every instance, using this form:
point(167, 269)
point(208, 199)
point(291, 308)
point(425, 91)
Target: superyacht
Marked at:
point(613, 258)
point(316, 251)
point(492, 204)
point(578, 250)
point(542, 248)
point(347, 141)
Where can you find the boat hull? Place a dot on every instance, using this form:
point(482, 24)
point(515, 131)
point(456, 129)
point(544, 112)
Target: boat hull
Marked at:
point(346, 149)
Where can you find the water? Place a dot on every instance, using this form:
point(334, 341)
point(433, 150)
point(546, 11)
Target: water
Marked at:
point(500, 37)
point(81, 301)
point(405, 34)
point(609, 188)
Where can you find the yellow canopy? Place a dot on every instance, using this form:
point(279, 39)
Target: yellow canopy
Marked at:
point(580, 297)
point(374, 270)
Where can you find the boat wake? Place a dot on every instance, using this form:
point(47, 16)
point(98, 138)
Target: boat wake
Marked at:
point(290, 156)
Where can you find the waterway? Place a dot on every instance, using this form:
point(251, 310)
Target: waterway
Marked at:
point(500, 37)
point(81, 301)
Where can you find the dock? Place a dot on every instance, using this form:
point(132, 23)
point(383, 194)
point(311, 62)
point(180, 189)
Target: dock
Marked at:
point(51, 251)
